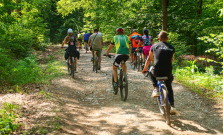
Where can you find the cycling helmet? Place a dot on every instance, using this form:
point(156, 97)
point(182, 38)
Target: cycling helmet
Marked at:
point(69, 30)
point(145, 31)
point(120, 30)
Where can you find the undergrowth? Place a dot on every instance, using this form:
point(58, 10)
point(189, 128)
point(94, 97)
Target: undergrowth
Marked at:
point(9, 115)
point(207, 83)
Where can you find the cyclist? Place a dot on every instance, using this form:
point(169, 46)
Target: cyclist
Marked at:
point(80, 38)
point(72, 49)
point(163, 55)
point(135, 38)
point(96, 43)
point(123, 49)
point(86, 37)
point(147, 43)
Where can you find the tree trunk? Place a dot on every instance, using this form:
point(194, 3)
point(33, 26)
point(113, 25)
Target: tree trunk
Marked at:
point(164, 10)
point(199, 12)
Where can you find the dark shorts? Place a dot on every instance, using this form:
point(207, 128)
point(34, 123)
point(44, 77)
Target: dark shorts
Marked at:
point(86, 41)
point(119, 58)
point(134, 49)
point(91, 48)
point(80, 40)
point(73, 53)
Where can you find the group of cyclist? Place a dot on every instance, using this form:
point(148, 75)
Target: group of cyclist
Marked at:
point(161, 54)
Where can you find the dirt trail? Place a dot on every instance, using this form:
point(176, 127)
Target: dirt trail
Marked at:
point(89, 106)
point(86, 105)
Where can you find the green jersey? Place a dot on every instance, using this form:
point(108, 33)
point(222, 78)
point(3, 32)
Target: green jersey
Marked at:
point(121, 44)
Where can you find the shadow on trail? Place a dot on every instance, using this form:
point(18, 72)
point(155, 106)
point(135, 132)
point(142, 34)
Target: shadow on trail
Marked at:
point(88, 106)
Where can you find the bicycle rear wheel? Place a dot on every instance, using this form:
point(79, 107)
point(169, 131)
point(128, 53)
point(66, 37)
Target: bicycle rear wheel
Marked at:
point(113, 82)
point(139, 63)
point(69, 66)
point(160, 102)
point(123, 86)
point(134, 62)
point(95, 63)
point(73, 68)
point(166, 105)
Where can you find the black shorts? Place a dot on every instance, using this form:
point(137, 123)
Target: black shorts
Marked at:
point(91, 48)
point(119, 58)
point(80, 40)
point(86, 41)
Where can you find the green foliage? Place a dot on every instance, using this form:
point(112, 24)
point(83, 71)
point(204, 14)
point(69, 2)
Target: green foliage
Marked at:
point(8, 118)
point(205, 83)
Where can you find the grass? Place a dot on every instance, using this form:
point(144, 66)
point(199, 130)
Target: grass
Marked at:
point(205, 83)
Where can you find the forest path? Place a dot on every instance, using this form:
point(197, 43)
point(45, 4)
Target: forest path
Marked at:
point(88, 106)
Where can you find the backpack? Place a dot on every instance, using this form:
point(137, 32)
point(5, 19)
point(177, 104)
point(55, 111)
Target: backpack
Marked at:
point(147, 41)
point(79, 36)
point(137, 39)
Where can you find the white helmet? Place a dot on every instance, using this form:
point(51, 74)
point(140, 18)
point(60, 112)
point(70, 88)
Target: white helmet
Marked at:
point(69, 30)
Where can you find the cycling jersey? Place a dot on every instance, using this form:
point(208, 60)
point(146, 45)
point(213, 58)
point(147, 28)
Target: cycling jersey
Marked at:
point(79, 36)
point(147, 40)
point(86, 36)
point(163, 53)
point(134, 38)
point(121, 44)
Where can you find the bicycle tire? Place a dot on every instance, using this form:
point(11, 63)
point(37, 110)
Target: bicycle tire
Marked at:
point(123, 84)
point(113, 82)
point(160, 101)
point(138, 62)
point(95, 63)
point(72, 67)
point(135, 62)
point(167, 104)
point(68, 66)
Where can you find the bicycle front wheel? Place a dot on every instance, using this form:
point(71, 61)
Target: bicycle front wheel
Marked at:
point(123, 86)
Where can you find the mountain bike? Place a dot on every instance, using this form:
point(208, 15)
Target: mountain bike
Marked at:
point(71, 66)
point(134, 63)
point(139, 61)
point(163, 100)
point(122, 82)
point(80, 45)
point(95, 61)
point(86, 46)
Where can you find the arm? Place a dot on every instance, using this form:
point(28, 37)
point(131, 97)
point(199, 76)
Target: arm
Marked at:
point(148, 61)
point(109, 49)
point(138, 45)
point(64, 41)
point(130, 50)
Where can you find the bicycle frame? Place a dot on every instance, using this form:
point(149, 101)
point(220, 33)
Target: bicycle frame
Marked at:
point(159, 85)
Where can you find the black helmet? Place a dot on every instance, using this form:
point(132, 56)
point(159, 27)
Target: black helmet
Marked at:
point(120, 30)
point(145, 31)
